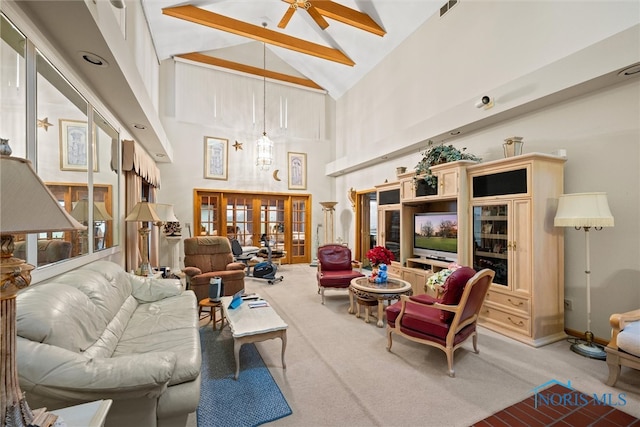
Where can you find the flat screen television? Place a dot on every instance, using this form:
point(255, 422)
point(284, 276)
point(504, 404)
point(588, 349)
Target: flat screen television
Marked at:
point(435, 235)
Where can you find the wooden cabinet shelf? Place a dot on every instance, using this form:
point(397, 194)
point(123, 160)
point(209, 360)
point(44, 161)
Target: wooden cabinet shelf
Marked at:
point(505, 211)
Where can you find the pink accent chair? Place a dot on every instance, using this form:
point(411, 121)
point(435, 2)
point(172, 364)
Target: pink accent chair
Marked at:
point(335, 268)
point(446, 322)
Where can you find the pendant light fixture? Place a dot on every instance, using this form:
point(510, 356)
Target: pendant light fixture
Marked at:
point(264, 144)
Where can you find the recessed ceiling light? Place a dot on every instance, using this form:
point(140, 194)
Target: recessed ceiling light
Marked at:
point(139, 126)
point(630, 71)
point(159, 155)
point(384, 157)
point(94, 59)
point(455, 132)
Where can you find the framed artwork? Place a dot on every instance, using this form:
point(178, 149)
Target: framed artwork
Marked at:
point(74, 146)
point(297, 171)
point(216, 158)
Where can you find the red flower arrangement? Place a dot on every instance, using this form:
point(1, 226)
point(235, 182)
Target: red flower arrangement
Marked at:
point(380, 255)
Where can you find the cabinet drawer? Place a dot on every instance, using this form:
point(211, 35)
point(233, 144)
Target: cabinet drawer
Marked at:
point(510, 321)
point(395, 271)
point(511, 302)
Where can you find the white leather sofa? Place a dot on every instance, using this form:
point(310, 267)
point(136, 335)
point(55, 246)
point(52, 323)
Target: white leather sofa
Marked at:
point(98, 332)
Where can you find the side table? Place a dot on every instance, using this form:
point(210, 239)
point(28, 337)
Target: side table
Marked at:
point(92, 414)
point(214, 306)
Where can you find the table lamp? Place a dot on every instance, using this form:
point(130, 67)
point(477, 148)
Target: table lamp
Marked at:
point(144, 212)
point(165, 213)
point(26, 206)
point(80, 212)
point(585, 210)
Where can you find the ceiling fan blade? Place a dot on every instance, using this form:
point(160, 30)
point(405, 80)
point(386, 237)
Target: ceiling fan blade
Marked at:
point(322, 23)
point(287, 16)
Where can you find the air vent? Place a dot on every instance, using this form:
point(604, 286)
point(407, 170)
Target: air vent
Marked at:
point(447, 6)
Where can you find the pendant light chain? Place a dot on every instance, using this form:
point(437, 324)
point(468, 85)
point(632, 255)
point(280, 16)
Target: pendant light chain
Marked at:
point(264, 85)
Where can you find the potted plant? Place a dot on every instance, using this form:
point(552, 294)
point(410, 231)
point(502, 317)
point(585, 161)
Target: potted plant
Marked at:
point(437, 155)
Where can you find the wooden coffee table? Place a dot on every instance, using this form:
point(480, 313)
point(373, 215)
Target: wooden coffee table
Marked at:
point(368, 294)
point(252, 325)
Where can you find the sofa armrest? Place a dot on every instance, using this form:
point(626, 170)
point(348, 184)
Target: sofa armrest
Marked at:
point(56, 372)
point(618, 322)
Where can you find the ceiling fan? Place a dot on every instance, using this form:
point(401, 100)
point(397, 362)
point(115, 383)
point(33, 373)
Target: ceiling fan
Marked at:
point(306, 5)
point(320, 9)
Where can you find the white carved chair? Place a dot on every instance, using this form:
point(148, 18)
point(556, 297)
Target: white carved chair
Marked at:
point(624, 347)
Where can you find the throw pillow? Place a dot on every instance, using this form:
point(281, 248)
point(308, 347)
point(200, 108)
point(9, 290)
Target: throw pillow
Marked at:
point(453, 289)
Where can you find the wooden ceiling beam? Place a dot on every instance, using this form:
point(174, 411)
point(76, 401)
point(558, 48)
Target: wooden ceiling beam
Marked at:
point(344, 14)
point(234, 26)
point(348, 16)
point(218, 62)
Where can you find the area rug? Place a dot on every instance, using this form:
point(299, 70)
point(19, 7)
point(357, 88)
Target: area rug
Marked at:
point(252, 400)
point(556, 404)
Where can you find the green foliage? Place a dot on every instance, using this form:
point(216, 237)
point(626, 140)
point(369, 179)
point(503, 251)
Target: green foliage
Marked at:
point(437, 155)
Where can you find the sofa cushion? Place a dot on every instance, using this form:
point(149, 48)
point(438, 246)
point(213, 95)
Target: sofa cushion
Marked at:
point(453, 290)
point(167, 325)
point(629, 338)
point(59, 315)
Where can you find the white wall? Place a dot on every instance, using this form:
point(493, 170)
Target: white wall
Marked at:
point(527, 52)
point(430, 75)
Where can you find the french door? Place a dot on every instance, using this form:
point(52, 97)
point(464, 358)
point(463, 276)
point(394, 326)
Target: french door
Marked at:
point(254, 219)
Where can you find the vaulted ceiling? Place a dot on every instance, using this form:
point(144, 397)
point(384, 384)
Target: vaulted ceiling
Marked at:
point(357, 34)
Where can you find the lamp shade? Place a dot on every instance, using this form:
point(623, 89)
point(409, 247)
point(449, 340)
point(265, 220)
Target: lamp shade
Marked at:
point(583, 210)
point(143, 211)
point(80, 211)
point(165, 212)
point(26, 204)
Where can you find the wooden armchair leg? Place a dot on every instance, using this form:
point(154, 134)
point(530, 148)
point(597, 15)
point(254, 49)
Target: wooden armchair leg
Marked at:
point(475, 343)
point(613, 362)
point(389, 340)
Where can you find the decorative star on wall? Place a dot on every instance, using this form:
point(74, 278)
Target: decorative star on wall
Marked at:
point(237, 145)
point(44, 123)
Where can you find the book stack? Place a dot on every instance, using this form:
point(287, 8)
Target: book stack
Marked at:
point(258, 304)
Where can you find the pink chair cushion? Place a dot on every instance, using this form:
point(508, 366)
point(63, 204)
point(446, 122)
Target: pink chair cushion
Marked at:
point(453, 289)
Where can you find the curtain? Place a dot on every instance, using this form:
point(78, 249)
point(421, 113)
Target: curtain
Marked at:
point(133, 194)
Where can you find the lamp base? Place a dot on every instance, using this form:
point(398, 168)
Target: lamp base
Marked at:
point(591, 350)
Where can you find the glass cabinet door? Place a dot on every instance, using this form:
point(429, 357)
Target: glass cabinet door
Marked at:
point(490, 240)
point(392, 232)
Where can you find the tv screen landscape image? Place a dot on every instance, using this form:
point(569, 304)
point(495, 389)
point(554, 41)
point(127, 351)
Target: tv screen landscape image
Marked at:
point(435, 235)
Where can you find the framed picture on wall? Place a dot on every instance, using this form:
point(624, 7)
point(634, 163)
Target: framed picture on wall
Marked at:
point(297, 171)
point(74, 146)
point(216, 158)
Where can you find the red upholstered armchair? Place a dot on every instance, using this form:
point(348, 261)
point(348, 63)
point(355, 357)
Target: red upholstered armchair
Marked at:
point(335, 268)
point(444, 323)
point(210, 256)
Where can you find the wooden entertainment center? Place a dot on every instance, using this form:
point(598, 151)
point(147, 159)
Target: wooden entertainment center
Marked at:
point(505, 210)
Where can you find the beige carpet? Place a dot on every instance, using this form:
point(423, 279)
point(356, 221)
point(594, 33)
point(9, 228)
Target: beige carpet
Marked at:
point(340, 373)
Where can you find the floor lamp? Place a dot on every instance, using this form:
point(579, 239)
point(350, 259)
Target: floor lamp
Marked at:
point(144, 212)
point(26, 206)
point(585, 210)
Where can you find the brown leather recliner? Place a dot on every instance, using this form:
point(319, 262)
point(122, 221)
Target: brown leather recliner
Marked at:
point(335, 268)
point(210, 256)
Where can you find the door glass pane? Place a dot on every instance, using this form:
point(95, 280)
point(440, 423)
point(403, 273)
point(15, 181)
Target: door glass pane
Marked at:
point(298, 224)
point(240, 220)
point(272, 222)
point(208, 217)
point(490, 240)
